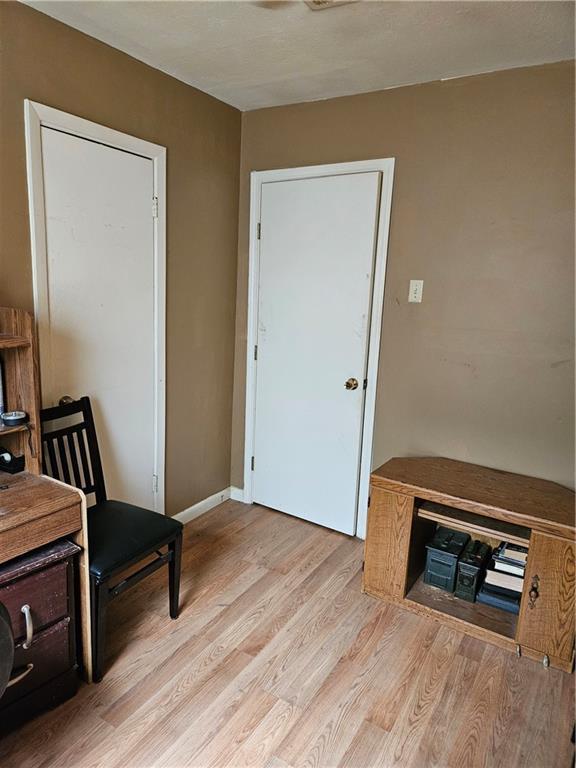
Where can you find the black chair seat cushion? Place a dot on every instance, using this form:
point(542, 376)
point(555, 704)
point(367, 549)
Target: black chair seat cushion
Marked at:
point(119, 533)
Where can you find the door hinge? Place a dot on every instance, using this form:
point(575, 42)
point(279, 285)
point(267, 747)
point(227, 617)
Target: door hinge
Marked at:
point(255, 351)
point(252, 464)
point(365, 385)
point(259, 231)
point(369, 497)
point(154, 207)
point(154, 483)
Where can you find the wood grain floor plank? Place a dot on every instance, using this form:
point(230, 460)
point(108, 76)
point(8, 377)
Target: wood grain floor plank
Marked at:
point(296, 594)
point(321, 619)
point(302, 686)
point(279, 661)
point(146, 737)
point(226, 743)
point(545, 741)
point(333, 717)
point(258, 748)
point(448, 714)
point(308, 543)
point(279, 615)
point(164, 673)
point(275, 762)
point(365, 748)
point(406, 661)
point(469, 749)
point(418, 707)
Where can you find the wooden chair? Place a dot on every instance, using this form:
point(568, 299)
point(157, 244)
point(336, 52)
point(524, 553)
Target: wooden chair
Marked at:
point(119, 534)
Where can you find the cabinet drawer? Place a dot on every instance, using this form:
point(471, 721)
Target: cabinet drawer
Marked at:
point(45, 591)
point(49, 656)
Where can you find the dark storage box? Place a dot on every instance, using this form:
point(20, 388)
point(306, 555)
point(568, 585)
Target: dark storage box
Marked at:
point(471, 567)
point(442, 555)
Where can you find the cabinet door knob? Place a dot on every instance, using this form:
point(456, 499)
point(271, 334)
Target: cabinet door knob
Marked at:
point(534, 594)
point(29, 626)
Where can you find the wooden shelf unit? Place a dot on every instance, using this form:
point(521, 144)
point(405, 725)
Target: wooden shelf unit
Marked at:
point(478, 527)
point(410, 497)
point(4, 430)
point(485, 617)
point(20, 366)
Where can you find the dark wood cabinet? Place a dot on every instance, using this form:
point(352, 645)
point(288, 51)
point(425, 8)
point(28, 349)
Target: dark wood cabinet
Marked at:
point(38, 590)
point(35, 512)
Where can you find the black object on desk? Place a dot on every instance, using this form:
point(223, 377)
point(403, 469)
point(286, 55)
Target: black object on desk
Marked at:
point(10, 463)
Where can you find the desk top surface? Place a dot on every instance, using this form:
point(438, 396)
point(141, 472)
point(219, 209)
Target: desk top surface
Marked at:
point(25, 496)
point(530, 501)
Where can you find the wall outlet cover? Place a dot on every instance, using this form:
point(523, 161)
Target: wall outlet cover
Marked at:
point(415, 292)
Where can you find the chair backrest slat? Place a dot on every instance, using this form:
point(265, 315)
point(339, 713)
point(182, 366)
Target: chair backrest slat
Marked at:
point(54, 471)
point(88, 482)
point(63, 459)
point(72, 450)
point(77, 481)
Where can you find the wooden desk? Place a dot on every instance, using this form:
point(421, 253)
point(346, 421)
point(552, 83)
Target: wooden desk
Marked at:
point(409, 496)
point(36, 510)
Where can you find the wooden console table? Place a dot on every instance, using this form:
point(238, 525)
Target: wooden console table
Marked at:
point(410, 496)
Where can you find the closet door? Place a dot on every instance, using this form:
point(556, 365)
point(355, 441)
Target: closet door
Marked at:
point(101, 287)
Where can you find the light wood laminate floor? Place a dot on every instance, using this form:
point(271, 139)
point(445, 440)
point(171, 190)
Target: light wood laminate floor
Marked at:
point(279, 661)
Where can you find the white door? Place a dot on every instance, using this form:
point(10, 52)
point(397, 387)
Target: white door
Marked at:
point(100, 275)
point(317, 249)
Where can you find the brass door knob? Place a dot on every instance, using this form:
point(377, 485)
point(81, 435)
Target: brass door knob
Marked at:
point(351, 384)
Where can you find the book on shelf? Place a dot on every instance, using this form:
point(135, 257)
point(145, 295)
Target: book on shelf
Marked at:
point(501, 579)
point(511, 553)
point(494, 590)
point(505, 603)
point(510, 558)
point(516, 570)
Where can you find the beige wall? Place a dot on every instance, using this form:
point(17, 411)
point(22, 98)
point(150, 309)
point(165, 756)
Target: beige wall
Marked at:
point(51, 63)
point(483, 212)
point(482, 370)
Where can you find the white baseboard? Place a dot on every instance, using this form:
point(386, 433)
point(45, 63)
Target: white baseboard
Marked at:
point(203, 506)
point(236, 494)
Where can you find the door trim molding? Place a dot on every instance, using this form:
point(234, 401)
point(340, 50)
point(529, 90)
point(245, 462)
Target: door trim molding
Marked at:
point(257, 178)
point(35, 117)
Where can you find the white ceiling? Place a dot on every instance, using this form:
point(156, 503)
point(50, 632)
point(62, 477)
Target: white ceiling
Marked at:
point(258, 53)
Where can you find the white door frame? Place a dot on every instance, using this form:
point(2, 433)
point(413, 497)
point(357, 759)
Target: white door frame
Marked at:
point(35, 117)
point(257, 178)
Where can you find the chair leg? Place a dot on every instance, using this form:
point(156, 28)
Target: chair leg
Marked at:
point(175, 548)
point(99, 604)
